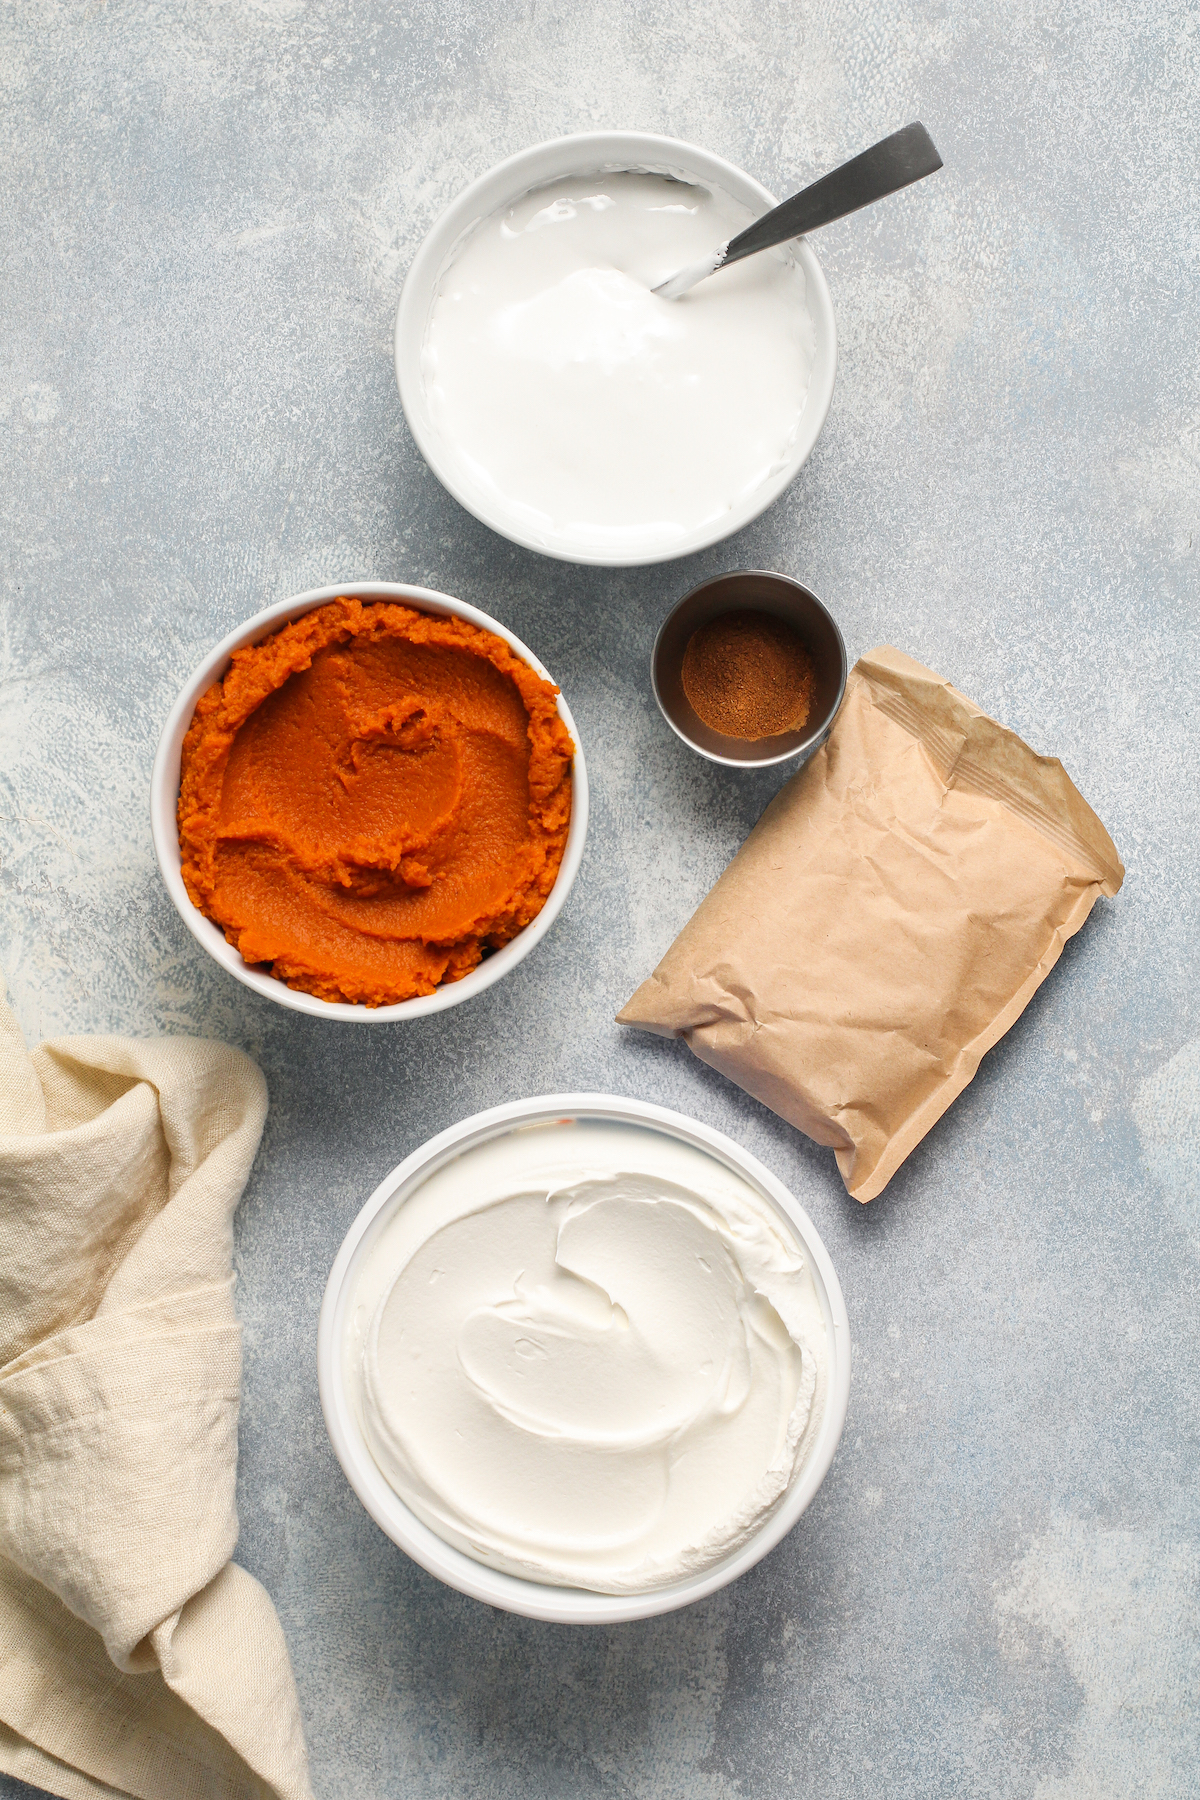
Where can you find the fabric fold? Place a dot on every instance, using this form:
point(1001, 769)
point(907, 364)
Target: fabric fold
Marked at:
point(135, 1657)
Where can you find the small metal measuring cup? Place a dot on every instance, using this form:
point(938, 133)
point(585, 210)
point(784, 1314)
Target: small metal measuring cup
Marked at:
point(750, 590)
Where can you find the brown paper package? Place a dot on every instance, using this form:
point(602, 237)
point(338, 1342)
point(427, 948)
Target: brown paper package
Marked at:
point(887, 919)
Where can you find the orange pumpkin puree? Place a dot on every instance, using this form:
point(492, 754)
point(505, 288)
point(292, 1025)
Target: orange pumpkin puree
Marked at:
point(372, 799)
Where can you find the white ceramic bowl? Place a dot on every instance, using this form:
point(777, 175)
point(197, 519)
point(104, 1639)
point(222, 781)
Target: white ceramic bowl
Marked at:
point(540, 1600)
point(593, 152)
point(164, 798)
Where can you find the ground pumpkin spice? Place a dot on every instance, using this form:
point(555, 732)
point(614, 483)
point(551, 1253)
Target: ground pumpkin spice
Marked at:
point(749, 675)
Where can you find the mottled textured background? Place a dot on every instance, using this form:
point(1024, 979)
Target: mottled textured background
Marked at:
point(207, 213)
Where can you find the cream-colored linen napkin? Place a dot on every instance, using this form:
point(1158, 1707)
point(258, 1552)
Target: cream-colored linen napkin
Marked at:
point(135, 1657)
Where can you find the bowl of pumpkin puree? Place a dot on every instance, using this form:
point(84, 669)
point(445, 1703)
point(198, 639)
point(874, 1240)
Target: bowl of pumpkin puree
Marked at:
point(369, 804)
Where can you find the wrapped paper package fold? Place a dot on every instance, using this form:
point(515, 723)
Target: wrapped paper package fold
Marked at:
point(886, 921)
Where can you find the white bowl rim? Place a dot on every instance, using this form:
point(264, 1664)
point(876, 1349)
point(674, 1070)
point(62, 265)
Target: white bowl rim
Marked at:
point(164, 797)
point(512, 1593)
point(648, 150)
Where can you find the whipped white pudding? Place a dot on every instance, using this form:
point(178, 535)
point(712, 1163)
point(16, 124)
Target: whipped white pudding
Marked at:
point(597, 414)
point(587, 1353)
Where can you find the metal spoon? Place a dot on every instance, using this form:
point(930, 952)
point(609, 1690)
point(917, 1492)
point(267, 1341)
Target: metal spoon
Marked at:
point(894, 163)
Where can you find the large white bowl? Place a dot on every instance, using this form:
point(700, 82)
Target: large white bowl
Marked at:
point(164, 799)
point(535, 1599)
point(594, 153)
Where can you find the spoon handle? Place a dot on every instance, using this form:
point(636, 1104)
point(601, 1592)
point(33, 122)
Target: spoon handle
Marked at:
point(894, 163)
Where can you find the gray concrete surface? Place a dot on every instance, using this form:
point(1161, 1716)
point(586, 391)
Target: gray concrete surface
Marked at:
point(208, 210)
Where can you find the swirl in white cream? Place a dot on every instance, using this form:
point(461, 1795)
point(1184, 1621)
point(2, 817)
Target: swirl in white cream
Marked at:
point(601, 1377)
point(594, 412)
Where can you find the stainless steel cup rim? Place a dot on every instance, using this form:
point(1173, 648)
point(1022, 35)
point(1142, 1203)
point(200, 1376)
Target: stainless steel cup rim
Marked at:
point(788, 746)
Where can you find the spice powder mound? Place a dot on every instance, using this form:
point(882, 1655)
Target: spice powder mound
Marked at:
point(373, 799)
point(749, 675)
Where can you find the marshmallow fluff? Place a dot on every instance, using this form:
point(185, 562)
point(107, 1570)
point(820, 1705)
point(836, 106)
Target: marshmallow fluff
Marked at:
point(589, 1354)
point(597, 414)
